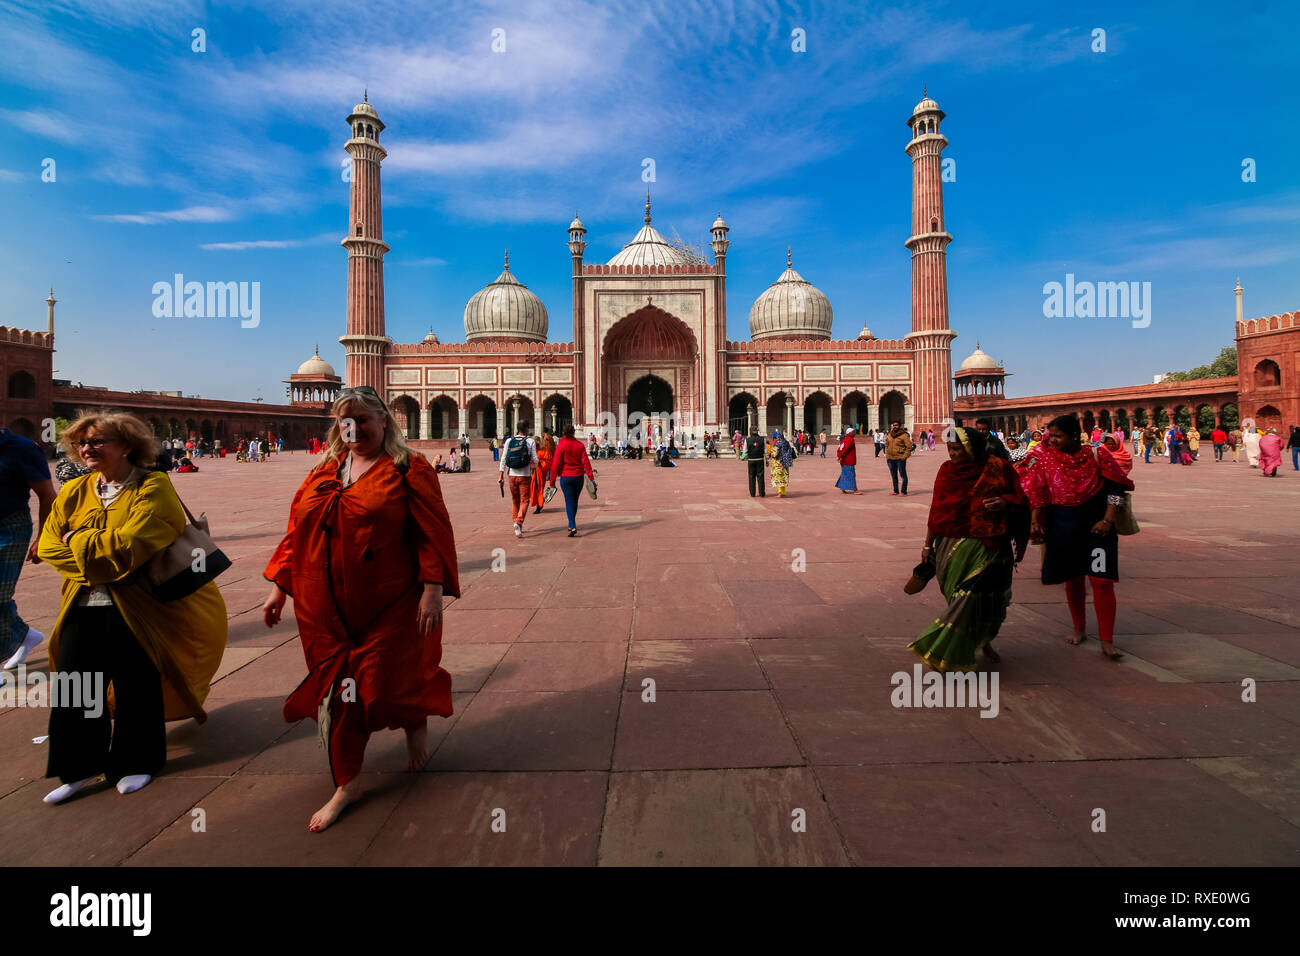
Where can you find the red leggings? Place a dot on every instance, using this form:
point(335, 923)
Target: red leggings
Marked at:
point(1103, 598)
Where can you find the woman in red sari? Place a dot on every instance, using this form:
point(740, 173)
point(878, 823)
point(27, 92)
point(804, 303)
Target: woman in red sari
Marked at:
point(975, 536)
point(367, 558)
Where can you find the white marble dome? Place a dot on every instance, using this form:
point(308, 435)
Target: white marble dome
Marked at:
point(648, 248)
point(926, 105)
point(978, 360)
point(791, 307)
point(506, 309)
point(316, 366)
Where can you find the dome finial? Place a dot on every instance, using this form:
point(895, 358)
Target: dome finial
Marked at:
point(977, 345)
point(925, 92)
point(318, 350)
point(507, 258)
point(789, 259)
point(647, 206)
point(365, 94)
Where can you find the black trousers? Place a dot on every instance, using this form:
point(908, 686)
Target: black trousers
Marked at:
point(898, 466)
point(756, 477)
point(98, 648)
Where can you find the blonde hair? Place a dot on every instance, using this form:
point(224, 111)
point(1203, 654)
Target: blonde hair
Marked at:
point(129, 430)
point(395, 445)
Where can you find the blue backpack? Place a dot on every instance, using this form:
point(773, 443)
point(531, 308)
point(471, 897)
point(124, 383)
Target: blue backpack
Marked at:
point(517, 453)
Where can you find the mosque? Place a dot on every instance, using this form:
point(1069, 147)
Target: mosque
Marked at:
point(648, 334)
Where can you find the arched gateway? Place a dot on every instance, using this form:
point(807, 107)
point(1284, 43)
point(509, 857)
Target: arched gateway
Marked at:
point(650, 359)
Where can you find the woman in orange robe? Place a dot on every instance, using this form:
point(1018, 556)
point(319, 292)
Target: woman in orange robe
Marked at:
point(367, 557)
point(545, 451)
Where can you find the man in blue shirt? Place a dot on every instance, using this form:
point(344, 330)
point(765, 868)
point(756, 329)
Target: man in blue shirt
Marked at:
point(23, 469)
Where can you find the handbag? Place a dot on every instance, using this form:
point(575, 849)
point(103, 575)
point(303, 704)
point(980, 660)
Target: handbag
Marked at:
point(1125, 521)
point(922, 574)
point(171, 570)
point(590, 486)
point(548, 494)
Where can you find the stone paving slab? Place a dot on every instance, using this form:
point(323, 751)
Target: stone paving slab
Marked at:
point(718, 818)
point(772, 645)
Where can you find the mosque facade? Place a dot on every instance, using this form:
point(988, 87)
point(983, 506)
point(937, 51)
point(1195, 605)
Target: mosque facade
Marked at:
point(649, 333)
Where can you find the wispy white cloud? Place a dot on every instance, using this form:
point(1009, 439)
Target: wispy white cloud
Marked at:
point(426, 262)
point(13, 176)
point(240, 246)
point(188, 214)
point(49, 124)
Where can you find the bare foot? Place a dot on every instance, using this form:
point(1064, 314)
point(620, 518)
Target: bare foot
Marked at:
point(1108, 649)
point(1078, 637)
point(345, 795)
point(993, 656)
point(417, 747)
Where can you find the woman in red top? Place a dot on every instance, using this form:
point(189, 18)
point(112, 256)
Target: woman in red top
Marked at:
point(1076, 492)
point(847, 454)
point(570, 463)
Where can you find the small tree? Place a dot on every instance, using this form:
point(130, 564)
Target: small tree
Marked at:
point(1225, 366)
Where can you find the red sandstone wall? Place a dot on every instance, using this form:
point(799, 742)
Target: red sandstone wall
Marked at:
point(1274, 338)
point(21, 351)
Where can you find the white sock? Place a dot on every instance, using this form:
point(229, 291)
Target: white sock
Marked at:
point(29, 644)
point(59, 794)
point(133, 782)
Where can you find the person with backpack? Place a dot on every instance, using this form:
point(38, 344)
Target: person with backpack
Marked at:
point(520, 456)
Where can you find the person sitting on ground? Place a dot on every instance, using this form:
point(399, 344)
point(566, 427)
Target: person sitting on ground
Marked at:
point(187, 465)
point(65, 469)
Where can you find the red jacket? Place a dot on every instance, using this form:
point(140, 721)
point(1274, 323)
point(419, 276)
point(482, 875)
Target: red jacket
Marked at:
point(847, 453)
point(1219, 436)
point(570, 460)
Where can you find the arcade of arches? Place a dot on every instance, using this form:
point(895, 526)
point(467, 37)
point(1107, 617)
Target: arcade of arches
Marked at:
point(816, 412)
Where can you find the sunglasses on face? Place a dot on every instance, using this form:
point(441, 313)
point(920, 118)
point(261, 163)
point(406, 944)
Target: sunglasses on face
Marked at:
point(92, 442)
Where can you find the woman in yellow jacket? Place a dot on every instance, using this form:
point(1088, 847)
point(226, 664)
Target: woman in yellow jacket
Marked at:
point(102, 531)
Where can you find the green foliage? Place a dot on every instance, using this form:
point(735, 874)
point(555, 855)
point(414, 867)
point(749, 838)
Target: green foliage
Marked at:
point(1225, 366)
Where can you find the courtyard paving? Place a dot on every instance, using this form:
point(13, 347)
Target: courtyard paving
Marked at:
point(771, 738)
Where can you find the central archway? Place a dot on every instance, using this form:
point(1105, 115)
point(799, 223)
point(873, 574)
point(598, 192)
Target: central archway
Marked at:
point(651, 344)
point(649, 404)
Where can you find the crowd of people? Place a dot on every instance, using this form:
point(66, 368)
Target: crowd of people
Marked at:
point(369, 554)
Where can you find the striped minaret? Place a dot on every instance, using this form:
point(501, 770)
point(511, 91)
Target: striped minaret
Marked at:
point(930, 338)
point(365, 341)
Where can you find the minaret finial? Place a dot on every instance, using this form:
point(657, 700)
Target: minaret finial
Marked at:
point(647, 206)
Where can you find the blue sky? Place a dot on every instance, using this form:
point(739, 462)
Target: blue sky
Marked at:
point(225, 166)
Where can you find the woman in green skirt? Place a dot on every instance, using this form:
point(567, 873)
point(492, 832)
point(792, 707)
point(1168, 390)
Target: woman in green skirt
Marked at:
point(977, 532)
